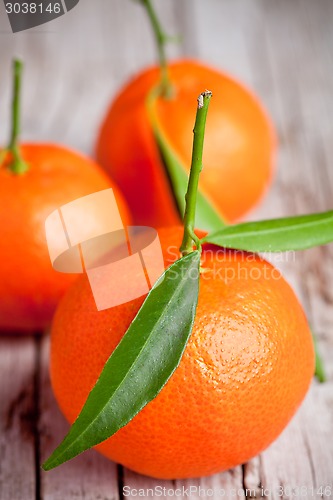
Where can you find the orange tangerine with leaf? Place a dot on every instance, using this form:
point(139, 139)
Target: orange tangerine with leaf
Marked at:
point(199, 375)
point(236, 387)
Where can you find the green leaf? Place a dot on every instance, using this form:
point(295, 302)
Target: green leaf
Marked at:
point(277, 235)
point(142, 363)
point(207, 216)
point(319, 370)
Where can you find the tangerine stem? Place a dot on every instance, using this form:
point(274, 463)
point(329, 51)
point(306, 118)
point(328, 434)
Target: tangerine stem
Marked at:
point(196, 167)
point(17, 165)
point(161, 40)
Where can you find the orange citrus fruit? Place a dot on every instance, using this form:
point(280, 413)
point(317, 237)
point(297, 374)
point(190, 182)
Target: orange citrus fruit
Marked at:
point(245, 370)
point(239, 144)
point(29, 287)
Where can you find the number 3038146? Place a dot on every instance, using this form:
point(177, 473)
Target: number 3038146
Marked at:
point(32, 8)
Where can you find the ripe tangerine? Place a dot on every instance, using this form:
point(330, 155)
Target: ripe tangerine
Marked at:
point(29, 287)
point(239, 153)
point(237, 385)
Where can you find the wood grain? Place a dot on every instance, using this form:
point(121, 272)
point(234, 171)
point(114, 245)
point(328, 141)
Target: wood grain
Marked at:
point(18, 416)
point(74, 67)
point(88, 476)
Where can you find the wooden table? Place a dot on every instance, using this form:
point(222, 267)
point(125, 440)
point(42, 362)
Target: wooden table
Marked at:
point(284, 51)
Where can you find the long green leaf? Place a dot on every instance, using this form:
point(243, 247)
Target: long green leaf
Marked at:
point(142, 363)
point(277, 235)
point(207, 217)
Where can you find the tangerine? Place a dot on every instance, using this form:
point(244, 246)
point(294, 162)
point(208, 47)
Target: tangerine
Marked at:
point(239, 145)
point(245, 370)
point(29, 287)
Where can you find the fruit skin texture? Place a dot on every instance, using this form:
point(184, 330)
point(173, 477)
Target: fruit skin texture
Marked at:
point(245, 370)
point(239, 144)
point(29, 287)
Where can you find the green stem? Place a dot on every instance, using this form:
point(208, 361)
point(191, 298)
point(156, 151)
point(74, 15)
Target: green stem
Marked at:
point(17, 164)
point(196, 167)
point(161, 40)
point(319, 369)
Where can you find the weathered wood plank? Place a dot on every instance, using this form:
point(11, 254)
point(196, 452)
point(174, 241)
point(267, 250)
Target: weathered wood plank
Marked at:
point(302, 456)
point(90, 476)
point(18, 413)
